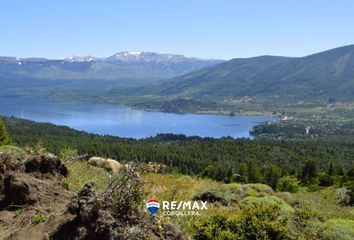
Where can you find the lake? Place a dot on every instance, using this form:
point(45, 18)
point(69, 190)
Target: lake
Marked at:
point(126, 122)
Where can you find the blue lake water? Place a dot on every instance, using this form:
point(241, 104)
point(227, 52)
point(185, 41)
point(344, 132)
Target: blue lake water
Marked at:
point(126, 122)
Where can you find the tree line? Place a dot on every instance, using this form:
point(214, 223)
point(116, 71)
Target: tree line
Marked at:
point(225, 159)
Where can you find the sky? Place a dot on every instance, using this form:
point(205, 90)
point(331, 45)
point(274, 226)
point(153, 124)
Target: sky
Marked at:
point(221, 29)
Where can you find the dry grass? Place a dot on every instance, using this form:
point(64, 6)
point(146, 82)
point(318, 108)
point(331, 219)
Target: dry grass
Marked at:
point(325, 203)
point(80, 172)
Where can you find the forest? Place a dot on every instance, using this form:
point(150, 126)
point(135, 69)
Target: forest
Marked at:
point(314, 161)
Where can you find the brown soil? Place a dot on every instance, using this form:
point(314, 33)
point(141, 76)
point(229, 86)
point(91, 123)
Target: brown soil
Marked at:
point(32, 188)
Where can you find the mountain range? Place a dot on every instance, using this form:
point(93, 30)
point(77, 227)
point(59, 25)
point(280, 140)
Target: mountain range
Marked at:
point(121, 66)
point(152, 80)
point(317, 77)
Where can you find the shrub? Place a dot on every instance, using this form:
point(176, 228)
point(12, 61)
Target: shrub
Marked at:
point(67, 154)
point(346, 196)
point(288, 184)
point(259, 187)
point(212, 196)
point(258, 221)
point(234, 187)
point(261, 221)
point(284, 208)
point(325, 180)
point(214, 227)
point(334, 229)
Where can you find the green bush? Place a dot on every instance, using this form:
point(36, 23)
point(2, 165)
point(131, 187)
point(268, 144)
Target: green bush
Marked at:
point(67, 154)
point(259, 187)
point(213, 196)
point(234, 187)
point(335, 229)
point(284, 208)
point(325, 180)
point(288, 184)
point(258, 221)
point(261, 221)
point(215, 227)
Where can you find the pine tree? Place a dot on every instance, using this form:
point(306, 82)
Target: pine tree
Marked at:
point(272, 174)
point(4, 136)
point(331, 170)
point(309, 170)
point(254, 172)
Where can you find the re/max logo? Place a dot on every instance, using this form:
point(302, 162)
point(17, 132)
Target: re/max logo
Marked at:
point(184, 205)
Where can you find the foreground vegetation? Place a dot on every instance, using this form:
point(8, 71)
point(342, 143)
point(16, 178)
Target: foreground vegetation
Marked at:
point(239, 211)
point(300, 200)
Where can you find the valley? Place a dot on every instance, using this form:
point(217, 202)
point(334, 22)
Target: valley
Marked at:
point(177, 120)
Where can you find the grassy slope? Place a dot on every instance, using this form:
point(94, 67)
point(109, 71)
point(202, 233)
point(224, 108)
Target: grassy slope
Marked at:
point(182, 187)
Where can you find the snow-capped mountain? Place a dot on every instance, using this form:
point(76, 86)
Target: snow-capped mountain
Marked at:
point(135, 56)
point(123, 65)
point(82, 59)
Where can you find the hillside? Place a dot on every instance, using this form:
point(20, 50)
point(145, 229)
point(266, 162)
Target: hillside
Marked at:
point(253, 189)
point(278, 81)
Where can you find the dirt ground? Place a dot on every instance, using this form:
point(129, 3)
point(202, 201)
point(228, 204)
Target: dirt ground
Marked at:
point(34, 200)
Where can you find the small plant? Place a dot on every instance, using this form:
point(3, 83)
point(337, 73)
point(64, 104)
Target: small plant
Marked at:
point(18, 212)
point(68, 153)
point(39, 148)
point(66, 184)
point(38, 219)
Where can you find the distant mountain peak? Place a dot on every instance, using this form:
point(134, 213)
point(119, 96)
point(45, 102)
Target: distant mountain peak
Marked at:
point(81, 58)
point(139, 56)
point(133, 53)
point(123, 65)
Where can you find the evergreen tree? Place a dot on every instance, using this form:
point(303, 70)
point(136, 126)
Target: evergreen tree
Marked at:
point(272, 174)
point(340, 170)
point(331, 170)
point(309, 170)
point(4, 136)
point(254, 172)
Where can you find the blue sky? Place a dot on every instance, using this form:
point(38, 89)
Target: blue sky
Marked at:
point(202, 28)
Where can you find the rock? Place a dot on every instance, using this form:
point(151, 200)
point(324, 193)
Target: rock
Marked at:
point(110, 165)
